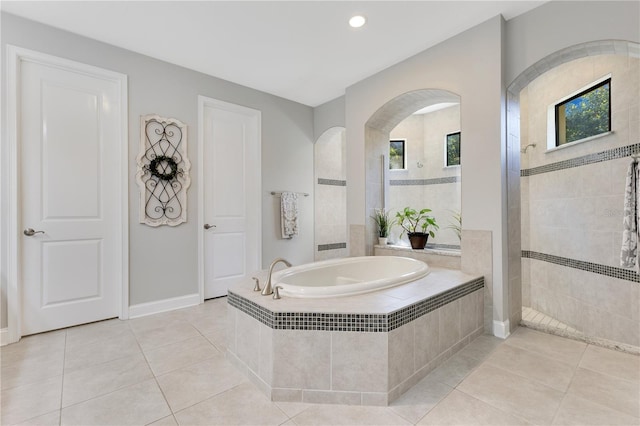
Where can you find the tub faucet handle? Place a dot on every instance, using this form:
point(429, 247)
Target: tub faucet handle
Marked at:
point(276, 292)
point(257, 286)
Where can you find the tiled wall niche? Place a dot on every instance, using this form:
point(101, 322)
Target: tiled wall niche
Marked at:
point(572, 201)
point(426, 182)
point(330, 195)
point(327, 357)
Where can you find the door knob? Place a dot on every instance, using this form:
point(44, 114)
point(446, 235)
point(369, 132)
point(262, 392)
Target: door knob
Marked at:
point(207, 226)
point(30, 232)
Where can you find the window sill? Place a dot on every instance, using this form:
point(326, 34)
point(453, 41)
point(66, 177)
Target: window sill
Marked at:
point(579, 141)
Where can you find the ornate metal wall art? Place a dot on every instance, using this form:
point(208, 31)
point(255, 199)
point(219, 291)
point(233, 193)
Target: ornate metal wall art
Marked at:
point(163, 171)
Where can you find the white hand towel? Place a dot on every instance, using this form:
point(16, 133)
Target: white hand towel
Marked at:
point(629, 251)
point(289, 214)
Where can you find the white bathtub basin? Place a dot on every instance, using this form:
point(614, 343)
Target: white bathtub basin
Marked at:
point(348, 276)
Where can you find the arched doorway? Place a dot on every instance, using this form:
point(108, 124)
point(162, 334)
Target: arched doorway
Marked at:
point(567, 204)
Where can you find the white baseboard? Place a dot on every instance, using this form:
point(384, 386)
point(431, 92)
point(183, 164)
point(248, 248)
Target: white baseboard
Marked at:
point(4, 336)
point(501, 329)
point(150, 308)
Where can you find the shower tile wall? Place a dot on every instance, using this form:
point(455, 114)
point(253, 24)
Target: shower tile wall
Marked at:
point(330, 196)
point(425, 135)
point(576, 213)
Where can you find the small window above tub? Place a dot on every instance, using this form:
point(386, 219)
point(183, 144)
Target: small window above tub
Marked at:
point(397, 154)
point(581, 116)
point(452, 149)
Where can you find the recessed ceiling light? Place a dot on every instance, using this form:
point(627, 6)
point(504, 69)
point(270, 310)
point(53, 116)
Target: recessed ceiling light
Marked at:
point(357, 21)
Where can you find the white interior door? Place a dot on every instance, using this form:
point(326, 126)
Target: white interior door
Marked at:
point(231, 217)
point(70, 194)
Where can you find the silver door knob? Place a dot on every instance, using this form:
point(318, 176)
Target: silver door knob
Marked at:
point(207, 226)
point(30, 232)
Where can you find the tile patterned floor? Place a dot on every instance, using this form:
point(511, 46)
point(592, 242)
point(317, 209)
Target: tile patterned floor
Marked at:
point(169, 369)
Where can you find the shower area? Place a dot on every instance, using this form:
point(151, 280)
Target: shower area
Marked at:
point(572, 201)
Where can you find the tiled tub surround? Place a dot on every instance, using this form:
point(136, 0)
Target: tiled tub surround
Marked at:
point(443, 258)
point(572, 207)
point(359, 350)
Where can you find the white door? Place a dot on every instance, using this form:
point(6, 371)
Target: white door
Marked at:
point(70, 194)
point(231, 216)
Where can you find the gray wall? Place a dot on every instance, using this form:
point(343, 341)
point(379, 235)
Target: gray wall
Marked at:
point(171, 91)
point(328, 115)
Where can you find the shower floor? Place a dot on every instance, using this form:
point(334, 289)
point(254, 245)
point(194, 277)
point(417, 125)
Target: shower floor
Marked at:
point(539, 321)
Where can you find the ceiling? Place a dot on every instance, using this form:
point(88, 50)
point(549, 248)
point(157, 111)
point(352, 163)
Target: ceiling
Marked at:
point(300, 50)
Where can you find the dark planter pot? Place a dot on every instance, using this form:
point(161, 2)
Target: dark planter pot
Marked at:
point(418, 240)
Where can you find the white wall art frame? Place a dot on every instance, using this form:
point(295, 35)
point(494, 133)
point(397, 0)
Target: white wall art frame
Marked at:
point(163, 171)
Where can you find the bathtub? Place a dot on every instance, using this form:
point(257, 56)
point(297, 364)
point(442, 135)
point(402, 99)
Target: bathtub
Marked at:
point(348, 276)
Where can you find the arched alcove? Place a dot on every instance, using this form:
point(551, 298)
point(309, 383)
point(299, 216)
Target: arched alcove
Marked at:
point(330, 204)
point(574, 274)
point(377, 130)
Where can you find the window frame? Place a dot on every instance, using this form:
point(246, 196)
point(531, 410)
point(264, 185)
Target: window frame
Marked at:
point(446, 149)
point(404, 154)
point(553, 138)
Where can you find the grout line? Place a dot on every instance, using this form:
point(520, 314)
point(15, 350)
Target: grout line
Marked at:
point(64, 360)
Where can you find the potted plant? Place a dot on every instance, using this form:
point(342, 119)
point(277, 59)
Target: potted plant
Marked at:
point(384, 223)
point(456, 226)
point(418, 225)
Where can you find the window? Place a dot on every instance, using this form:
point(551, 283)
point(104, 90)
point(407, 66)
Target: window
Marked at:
point(397, 157)
point(452, 151)
point(584, 115)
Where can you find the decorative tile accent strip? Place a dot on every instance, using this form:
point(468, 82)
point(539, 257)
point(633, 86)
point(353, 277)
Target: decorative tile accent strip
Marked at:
point(596, 268)
point(334, 182)
point(598, 157)
point(434, 181)
point(443, 246)
point(368, 323)
point(334, 246)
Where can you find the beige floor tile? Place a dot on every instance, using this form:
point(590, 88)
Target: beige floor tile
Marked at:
point(34, 345)
point(348, 415)
point(210, 324)
point(421, 398)
point(606, 361)
point(95, 332)
point(120, 344)
point(481, 347)
point(165, 421)
point(49, 419)
point(533, 366)
point(165, 335)
point(292, 409)
point(219, 340)
point(455, 369)
point(617, 394)
point(241, 405)
point(190, 385)
point(138, 404)
point(86, 383)
point(554, 347)
point(513, 394)
point(459, 408)
point(578, 411)
point(26, 402)
point(152, 322)
point(180, 354)
point(32, 369)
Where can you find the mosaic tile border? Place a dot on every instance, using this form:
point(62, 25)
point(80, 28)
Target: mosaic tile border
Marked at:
point(333, 246)
point(596, 268)
point(434, 181)
point(443, 246)
point(368, 323)
point(598, 157)
point(333, 182)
